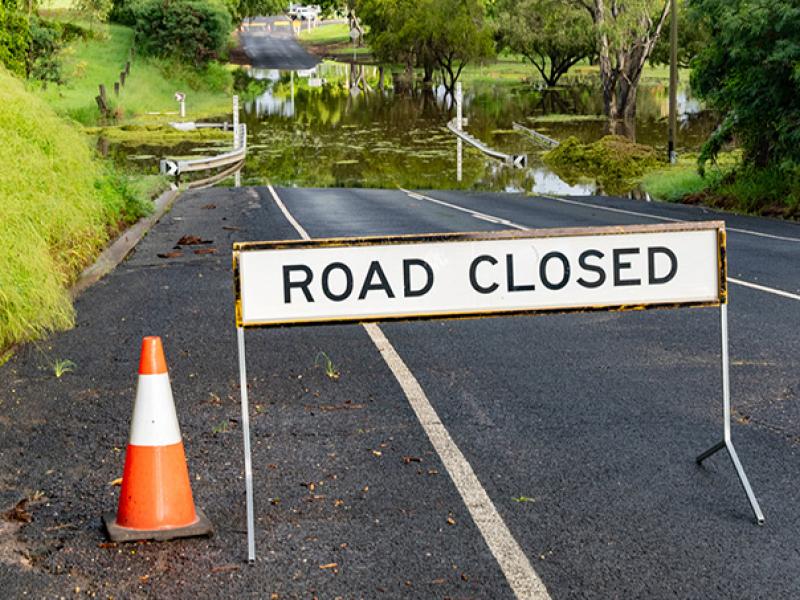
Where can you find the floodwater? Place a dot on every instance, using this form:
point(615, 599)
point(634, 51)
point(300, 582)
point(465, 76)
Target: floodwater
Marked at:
point(314, 128)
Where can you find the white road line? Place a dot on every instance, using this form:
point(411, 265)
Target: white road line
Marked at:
point(493, 219)
point(512, 560)
point(515, 565)
point(289, 217)
point(472, 213)
point(660, 218)
point(762, 288)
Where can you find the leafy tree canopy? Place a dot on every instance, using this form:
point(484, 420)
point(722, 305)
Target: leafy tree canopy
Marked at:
point(551, 34)
point(750, 72)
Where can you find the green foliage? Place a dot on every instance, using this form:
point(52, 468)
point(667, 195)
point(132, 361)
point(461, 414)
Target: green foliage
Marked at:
point(750, 72)
point(551, 34)
point(14, 39)
point(124, 11)
point(432, 34)
point(47, 40)
point(693, 35)
point(57, 207)
point(94, 10)
point(194, 31)
point(612, 160)
point(150, 87)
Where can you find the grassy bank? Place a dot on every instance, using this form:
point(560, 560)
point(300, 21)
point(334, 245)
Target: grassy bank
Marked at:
point(150, 88)
point(58, 207)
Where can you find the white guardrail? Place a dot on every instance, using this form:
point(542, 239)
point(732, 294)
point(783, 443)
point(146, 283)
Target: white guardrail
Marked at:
point(519, 161)
point(175, 167)
point(539, 137)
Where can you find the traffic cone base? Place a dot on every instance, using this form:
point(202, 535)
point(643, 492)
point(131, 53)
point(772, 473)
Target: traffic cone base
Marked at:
point(116, 533)
point(155, 502)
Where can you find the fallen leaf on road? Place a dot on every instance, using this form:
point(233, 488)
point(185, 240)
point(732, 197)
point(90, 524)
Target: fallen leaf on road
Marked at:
point(19, 512)
point(173, 254)
point(192, 240)
point(107, 545)
point(225, 568)
point(439, 581)
point(117, 481)
point(209, 206)
point(338, 502)
point(206, 251)
point(523, 499)
point(407, 460)
point(329, 566)
point(376, 453)
point(229, 228)
point(451, 521)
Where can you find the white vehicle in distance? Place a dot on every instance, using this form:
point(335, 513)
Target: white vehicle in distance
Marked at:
point(305, 13)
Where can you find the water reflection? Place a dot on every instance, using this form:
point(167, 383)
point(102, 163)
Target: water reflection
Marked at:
point(335, 125)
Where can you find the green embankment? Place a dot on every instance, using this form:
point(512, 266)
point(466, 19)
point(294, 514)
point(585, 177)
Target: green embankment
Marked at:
point(58, 206)
point(150, 88)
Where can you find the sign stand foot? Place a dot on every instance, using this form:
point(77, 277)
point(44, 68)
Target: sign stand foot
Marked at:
point(726, 414)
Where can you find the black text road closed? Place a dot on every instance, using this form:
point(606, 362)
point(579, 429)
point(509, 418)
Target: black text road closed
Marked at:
point(474, 274)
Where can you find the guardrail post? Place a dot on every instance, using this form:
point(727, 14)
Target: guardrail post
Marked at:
point(122, 76)
point(116, 88)
point(236, 133)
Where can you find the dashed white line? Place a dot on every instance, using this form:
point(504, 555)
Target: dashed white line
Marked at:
point(763, 288)
point(515, 565)
point(782, 238)
point(493, 219)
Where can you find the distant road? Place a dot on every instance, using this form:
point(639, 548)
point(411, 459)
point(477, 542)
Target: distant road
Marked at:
point(270, 44)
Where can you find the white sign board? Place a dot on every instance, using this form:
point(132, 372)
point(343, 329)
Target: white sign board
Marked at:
point(455, 275)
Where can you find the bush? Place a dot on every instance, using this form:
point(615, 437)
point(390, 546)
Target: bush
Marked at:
point(15, 38)
point(196, 31)
point(124, 11)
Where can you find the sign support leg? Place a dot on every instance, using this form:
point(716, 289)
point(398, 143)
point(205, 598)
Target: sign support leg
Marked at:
point(726, 442)
point(248, 466)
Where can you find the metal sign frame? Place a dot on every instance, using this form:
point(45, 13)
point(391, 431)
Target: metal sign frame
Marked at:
point(721, 301)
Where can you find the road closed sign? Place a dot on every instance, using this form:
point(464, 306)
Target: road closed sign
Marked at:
point(479, 274)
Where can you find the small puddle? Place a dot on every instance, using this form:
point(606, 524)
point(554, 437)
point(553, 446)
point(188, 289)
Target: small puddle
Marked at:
point(312, 128)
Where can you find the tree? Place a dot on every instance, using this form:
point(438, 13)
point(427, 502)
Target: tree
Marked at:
point(551, 34)
point(443, 35)
point(626, 35)
point(750, 72)
point(245, 9)
point(95, 10)
point(15, 37)
point(693, 35)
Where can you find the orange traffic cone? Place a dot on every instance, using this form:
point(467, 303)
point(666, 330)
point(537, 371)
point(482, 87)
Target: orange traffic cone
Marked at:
point(155, 502)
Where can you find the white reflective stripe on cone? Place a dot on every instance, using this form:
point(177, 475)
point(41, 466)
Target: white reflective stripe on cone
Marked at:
point(154, 421)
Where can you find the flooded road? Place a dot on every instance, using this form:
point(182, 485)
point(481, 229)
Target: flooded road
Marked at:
point(314, 128)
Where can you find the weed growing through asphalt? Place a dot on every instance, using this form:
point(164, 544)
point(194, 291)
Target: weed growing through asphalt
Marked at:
point(220, 427)
point(523, 499)
point(62, 367)
point(330, 370)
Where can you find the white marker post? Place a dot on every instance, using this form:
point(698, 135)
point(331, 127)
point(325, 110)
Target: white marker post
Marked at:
point(236, 139)
point(459, 126)
point(440, 276)
point(181, 99)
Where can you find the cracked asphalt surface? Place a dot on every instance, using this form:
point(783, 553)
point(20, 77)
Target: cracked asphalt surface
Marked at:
point(582, 428)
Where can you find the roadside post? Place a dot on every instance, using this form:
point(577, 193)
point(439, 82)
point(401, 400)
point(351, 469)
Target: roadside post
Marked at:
point(235, 121)
point(483, 274)
point(460, 127)
point(180, 97)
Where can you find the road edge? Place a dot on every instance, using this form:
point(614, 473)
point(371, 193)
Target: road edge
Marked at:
point(119, 249)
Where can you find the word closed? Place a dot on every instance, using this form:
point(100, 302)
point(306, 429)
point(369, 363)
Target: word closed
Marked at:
point(475, 274)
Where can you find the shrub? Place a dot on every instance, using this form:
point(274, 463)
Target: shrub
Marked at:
point(15, 38)
point(196, 31)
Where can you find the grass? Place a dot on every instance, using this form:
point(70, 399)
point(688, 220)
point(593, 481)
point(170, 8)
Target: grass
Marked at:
point(674, 183)
point(149, 88)
point(336, 33)
point(58, 206)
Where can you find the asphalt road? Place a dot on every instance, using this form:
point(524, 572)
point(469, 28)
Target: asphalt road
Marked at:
point(270, 44)
point(582, 429)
